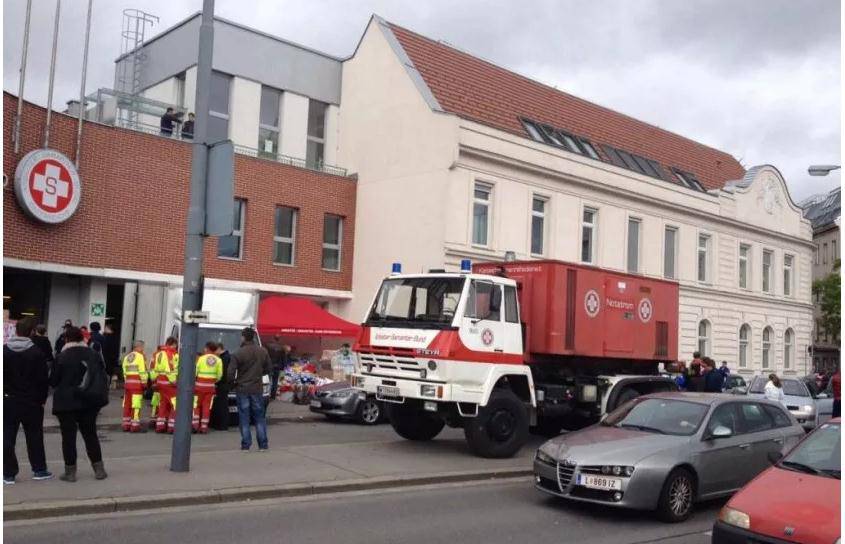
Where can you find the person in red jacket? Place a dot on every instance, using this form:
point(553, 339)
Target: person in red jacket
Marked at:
point(837, 381)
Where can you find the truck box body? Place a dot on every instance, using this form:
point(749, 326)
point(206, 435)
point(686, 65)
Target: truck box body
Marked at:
point(581, 311)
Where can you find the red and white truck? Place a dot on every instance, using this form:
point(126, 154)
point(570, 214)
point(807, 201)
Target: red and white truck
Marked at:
point(501, 349)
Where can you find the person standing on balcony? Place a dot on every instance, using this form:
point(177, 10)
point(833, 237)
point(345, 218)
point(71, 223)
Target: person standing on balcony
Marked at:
point(188, 128)
point(168, 120)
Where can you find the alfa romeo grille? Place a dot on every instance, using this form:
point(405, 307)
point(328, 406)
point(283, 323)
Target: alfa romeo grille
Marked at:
point(564, 476)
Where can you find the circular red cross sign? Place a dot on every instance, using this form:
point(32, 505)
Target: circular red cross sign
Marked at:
point(592, 303)
point(487, 337)
point(645, 310)
point(47, 186)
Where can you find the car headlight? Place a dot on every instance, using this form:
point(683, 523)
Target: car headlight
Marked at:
point(343, 393)
point(807, 408)
point(735, 518)
point(544, 457)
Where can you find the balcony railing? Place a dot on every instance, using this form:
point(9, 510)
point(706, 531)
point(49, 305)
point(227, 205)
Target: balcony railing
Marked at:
point(132, 112)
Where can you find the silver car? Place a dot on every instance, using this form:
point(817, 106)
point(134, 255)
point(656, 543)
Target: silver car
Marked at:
point(801, 401)
point(666, 451)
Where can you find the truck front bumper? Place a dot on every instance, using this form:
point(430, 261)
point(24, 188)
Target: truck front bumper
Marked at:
point(397, 390)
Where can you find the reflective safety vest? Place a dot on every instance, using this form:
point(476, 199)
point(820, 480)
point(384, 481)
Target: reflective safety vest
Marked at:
point(134, 369)
point(209, 371)
point(166, 366)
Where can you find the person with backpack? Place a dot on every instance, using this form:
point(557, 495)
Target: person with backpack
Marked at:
point(81, 389)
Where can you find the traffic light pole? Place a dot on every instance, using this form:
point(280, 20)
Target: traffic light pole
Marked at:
point(180, 459)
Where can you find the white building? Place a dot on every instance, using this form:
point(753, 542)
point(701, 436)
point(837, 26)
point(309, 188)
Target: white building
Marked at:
point(458, 158)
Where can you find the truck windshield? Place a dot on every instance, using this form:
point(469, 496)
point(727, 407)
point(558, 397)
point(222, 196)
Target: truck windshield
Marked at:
point(230, 338)
point(416, 302)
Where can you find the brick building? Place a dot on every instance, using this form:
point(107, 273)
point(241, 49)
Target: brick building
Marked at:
point(123, 247)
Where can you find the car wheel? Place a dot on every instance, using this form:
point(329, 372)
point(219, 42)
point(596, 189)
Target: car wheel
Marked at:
point(677, 496)
point(500, 429)
point(412, 423)
point(369, 412)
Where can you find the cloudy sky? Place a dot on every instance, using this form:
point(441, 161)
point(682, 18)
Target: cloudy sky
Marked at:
point(759, 79)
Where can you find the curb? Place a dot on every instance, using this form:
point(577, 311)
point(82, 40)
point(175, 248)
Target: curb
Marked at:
point(238, 494)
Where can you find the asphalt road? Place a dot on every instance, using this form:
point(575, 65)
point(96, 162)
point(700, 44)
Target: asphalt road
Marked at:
point(489, 513)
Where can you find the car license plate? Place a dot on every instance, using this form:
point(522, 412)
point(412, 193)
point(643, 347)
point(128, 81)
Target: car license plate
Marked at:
point(316, 404)
point(387, 391)
point(600, 482)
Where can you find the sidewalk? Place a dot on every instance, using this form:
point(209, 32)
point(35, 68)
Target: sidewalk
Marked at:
point(304, 458)
point(111, 414)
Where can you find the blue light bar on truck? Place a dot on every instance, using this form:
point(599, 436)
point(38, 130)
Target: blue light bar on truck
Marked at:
point(466, 266)
point(397, 268)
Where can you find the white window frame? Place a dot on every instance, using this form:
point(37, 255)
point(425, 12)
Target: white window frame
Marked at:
point(639, 222)
point(704, 341)
point(675, 250)
point(707, 249)
point(766, 274)
point(816, 254)
point(766, 345)
point(283, 239)
point(239, 233)
point(278, 128)
point(788, 348)
point(227, 115)
point(315, 139)
point(338, 246)
point(488, 203)
point(824, 253)
point(542, 216)
point(594, 227)
point(744, 346)
point(748, 260)
point(788, 275)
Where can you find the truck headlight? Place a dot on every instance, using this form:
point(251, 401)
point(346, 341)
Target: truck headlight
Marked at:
point(735, 518)
point(589, 393)
point(428, 390)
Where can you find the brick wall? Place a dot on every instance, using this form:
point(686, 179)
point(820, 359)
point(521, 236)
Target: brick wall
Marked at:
point(134, 207)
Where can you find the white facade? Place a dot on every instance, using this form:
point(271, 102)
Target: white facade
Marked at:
point(419, 169)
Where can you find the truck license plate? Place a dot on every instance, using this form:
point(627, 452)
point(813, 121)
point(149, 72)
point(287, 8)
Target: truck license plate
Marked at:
point(600, 482)
point(387, 391)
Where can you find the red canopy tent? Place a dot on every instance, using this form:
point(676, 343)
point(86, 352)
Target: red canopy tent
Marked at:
point(294, 316)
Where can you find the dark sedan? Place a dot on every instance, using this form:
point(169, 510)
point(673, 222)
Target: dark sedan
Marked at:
point(340, 401)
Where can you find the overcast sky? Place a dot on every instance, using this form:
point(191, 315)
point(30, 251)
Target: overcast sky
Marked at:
point(759, 79)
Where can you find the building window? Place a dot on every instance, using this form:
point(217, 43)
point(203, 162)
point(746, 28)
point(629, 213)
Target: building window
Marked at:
point(816, 254)
point(824, 253)
point(218, 107)
point(670, 252)
point(833, 254)
point(818, 330)
point(538, 225)
point(332, 235)
point(634, 225)
point(767, 346)
point(767, 271)
point(787, 275)
point(284, 236)
point(588, 235)
point(744, 253)
point(316, 133)
point(704, 338)
point(703, 257)
point(231, 247)
point(481, 213)
point(268, 121)
point(788, 353)
point(744, 337)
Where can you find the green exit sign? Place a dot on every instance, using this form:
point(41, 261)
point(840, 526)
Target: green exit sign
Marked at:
point(98, 309)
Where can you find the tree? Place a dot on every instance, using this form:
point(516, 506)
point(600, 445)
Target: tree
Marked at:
point(828, 290)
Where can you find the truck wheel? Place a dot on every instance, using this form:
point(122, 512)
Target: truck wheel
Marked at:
point(500, 428)
point(413, 423)
point(369, 412)
point(677, 496)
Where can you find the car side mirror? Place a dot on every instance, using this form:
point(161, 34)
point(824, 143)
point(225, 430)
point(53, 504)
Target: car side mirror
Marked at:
point(720, 432)
point(822, 396)
point(774, 457)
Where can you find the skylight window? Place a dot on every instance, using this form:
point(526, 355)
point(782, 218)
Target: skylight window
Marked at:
point(533, 130)
point(688, 180)
point(571, 143)
point(589, 149)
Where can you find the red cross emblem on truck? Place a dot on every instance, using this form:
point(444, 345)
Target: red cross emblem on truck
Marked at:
point(487, 337)
point(592, 304)
point(645, 310)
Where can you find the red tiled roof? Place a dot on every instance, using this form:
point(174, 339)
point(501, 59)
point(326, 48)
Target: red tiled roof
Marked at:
point(478, 90)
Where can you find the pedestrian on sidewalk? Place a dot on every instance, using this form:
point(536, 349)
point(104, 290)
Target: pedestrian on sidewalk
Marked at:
point(209, 369)
point(60, 341)
point(220, 407)
point(75, 411)
point(25, 388)
point(164, 372)
point(277, 356)
point(96, 336)
point(39, 338)
point(111, 351)
point(774, 389)
point(134, 381)
point(249, 364)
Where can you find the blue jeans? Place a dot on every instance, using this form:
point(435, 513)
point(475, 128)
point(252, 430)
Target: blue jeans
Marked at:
point(252, 407)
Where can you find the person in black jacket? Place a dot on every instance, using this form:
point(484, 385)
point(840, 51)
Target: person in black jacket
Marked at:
point(220, 407)
point(25, 391)
point(39, 338)
point(74, 413)
point(111, 350)
point(60, 341)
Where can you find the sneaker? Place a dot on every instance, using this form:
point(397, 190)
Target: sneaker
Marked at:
point(244, 449)
point(8, 480)
point(262, 450)
point(42, 475)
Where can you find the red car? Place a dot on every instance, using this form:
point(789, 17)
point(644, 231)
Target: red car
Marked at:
point(796, 500)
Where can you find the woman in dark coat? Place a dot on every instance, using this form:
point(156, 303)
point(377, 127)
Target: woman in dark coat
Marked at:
point(220, 407)
point(73, 413)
